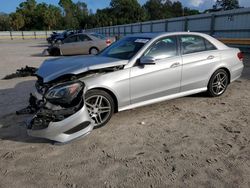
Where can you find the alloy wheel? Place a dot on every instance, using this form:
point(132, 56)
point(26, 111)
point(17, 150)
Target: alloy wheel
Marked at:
point(99, 108)
point(219, 83)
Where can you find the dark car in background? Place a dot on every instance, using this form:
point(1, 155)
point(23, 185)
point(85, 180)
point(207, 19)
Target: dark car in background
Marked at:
point(59, 37)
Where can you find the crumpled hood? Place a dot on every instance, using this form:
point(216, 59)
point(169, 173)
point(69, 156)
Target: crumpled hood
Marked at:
point(54, 68)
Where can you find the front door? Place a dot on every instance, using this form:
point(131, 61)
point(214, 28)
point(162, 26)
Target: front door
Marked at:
point(160, 79)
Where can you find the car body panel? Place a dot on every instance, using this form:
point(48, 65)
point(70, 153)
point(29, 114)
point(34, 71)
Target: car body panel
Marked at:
point(231, 62)
point(196, 69)
point(116, 82)
point(54, 68)
point(56, 130)
point(154, 81)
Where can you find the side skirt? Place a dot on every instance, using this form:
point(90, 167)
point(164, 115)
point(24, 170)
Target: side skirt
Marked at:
point(169, 97)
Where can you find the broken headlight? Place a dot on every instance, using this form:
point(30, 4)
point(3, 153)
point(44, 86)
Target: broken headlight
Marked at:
point(66, 93)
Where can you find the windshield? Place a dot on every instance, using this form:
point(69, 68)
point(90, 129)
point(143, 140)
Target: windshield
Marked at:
point(125, 48)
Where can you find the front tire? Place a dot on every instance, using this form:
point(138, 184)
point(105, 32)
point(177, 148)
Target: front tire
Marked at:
point(218, 83)
point(100, 106)
point(54, 51)
point(58, 42)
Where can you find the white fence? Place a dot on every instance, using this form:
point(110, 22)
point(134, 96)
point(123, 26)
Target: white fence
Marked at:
point(224, 24)
point(25, 34)
point(231, 27)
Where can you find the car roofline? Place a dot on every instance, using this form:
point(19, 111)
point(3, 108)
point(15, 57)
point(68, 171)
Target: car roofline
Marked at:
point(155, 36)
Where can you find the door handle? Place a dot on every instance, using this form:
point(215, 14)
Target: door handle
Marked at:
point(175, 65)
point(210, 57)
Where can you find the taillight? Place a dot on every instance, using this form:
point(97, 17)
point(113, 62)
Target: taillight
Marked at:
point(240, 56)
point(108, 42)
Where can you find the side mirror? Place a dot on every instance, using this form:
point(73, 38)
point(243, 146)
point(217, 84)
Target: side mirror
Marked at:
point(147, 60)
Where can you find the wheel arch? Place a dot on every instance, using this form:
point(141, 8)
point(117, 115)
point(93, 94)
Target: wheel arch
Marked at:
point(110, 93)
point(223, 68)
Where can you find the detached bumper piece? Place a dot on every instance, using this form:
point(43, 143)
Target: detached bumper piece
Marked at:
point(62, 125)
point(58, 122)
point(44, 116)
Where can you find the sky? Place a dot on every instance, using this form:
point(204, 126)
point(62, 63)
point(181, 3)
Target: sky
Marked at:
point(9, 6)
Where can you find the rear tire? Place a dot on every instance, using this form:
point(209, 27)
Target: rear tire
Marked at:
point(218, 83)
point(93, 51)
point(100, 106)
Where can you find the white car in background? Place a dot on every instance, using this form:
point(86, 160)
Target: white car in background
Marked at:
point(80, 43)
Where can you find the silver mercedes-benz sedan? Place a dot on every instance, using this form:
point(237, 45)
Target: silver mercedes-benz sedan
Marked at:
point(76, 94)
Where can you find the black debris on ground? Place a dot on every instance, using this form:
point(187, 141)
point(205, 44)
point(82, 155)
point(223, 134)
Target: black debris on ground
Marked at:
point(23, 72)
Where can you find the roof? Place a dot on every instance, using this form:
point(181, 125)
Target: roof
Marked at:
point(217, 43)
point(158, 34)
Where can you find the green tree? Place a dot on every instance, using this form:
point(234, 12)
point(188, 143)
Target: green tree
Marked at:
point(4, 22)
point(102, 18)
point(17, 21)
point(226, 4)
point(177, 9)
point(126, 11)
point(162, 9)
point(154, 9)
point(31, 15)
point(27, 10)
point(167, 9)
point(81, 13)
point(188, 11)
point(69, 9)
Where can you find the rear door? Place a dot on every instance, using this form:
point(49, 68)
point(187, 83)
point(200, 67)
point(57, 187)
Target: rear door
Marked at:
point(83, 45)
point(68, 46)
point(199, 56)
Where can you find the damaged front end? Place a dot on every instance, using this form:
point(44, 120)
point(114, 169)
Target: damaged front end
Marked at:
point(60, 111)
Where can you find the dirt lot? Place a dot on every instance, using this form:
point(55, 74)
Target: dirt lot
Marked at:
point(188, 142)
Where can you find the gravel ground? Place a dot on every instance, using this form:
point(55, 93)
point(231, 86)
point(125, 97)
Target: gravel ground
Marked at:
point(192, 141)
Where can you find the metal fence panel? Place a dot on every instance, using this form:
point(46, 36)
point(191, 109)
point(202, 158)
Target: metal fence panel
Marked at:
point(176, 26)
point(199, 25)
point(158, 26)
point(232, 22)
point(146, 28)
point(127, 29)
point(224, 24)
point(136, 28)
point(25, 34)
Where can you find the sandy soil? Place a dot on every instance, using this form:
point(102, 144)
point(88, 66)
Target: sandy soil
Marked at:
point(188, 142)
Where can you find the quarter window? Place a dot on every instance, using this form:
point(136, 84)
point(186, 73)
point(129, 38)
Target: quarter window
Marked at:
point(209, 46)
point(163, 48)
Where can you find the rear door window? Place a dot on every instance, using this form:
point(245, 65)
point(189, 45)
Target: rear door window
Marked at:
point(192, 44)
point(82, 38)
point(98, 36)
point(70, 39)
